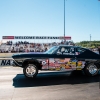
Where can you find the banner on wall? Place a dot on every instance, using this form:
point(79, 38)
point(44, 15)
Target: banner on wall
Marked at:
point(6, 62)
point(36, 37)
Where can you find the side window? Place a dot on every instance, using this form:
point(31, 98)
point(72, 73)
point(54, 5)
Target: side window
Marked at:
point(72, 50)
point(67, 50)
point(79, 51)
point(61, 50)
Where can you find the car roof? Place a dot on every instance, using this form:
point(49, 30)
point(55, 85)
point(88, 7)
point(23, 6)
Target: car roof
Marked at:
point(69, 46)
point(73, 46)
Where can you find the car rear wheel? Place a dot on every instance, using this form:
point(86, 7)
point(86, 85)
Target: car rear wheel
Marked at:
point(91, 69)
point(30, 71)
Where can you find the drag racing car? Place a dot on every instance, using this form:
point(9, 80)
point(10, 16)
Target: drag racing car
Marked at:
point(59, 58)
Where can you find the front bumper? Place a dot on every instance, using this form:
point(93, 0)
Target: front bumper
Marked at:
point(15, 64)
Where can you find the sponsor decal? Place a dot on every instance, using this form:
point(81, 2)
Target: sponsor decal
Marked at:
point(80, 65)
point(58, 69)
point(62, 64)
point(66, 66)
point(43, 63)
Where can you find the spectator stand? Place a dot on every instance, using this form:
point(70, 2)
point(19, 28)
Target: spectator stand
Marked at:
point(36, 44)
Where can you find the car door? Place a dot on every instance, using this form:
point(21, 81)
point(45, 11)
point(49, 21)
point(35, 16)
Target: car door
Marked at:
point(64, 59)
point(80, 62)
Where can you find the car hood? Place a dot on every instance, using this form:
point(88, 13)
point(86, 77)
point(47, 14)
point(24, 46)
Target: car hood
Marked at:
point(34, 53)
point(29, 55)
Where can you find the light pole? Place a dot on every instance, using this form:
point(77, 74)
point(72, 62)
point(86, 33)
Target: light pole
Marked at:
point(64, 19)
point(90, 37)
point(90, 40)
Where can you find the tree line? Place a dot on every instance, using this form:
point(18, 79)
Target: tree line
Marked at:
point(88, 44)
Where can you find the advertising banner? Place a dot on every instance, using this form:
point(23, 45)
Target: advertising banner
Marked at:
point(36, 37)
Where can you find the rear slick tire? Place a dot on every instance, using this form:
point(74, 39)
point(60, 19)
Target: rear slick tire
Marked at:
point(91, 69)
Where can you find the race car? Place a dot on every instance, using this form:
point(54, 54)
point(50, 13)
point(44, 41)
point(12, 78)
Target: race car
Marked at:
point(60, 58)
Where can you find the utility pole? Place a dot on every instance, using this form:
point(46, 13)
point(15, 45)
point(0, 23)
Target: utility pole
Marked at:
point(90, 37)
point(64, 19)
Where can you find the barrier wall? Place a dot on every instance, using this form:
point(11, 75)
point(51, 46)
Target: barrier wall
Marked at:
point(6, 61)
point(6, 55)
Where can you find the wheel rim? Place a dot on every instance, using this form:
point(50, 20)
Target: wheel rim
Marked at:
point(31, 70)
point(93, 69)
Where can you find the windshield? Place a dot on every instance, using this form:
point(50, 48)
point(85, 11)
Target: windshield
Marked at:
point(51, 50)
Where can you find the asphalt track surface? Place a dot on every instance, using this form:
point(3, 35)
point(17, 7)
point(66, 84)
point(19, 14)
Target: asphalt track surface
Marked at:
point(47, 86)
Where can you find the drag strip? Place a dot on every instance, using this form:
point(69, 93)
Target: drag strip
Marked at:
point(47, 86)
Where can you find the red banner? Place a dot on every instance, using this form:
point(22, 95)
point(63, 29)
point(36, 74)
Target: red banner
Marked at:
point(8, 37)
point(67, 37)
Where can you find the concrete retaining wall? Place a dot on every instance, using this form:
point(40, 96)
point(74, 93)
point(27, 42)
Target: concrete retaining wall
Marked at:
point(6, 61)
point(6, 55)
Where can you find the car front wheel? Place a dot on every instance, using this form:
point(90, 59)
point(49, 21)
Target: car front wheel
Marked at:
point(91, 69)
point(30, 71)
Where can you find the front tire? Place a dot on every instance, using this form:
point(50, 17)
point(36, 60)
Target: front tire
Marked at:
point(30, 71)
point(91, 69)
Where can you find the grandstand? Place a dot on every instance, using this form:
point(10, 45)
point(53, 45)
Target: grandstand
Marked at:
point(9, 47)
point(27, 46)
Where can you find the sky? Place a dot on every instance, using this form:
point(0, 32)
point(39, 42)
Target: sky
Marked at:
point(46, 18)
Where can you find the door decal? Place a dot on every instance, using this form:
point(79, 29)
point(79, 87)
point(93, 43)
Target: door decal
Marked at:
point(80, 65)
point(44, 63)
point(62, 64)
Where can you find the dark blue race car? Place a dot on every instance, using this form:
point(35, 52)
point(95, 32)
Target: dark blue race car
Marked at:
point(59, 58)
